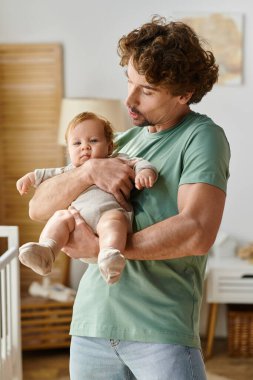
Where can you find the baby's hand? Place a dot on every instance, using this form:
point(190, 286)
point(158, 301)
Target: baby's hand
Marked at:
point(145, 178)
point(24, 183)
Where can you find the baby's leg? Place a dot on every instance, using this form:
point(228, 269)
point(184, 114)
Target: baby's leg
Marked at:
point(41, 256)
point(112, 231)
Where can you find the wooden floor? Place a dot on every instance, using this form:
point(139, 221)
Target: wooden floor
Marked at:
point(46, 365)
point(228, 368)
point(53, 365)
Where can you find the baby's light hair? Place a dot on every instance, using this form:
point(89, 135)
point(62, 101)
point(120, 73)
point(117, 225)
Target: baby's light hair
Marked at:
point(108, 129)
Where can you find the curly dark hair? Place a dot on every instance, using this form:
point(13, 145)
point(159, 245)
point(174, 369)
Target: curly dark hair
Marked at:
point(170, 55)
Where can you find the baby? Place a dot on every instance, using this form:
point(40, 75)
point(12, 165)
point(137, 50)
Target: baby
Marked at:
point(88, 136)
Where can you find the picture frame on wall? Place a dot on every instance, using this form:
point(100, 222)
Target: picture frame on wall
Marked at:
point(223, 34)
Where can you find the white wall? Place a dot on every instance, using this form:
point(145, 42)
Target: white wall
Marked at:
point(89, 31)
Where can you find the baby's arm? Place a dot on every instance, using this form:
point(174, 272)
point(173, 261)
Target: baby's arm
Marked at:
point(25, 183)
point(146, 173)
point(39, 175)
point(145, 178)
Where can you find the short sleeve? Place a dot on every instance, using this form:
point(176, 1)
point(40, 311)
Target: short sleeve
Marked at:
point(206, 157)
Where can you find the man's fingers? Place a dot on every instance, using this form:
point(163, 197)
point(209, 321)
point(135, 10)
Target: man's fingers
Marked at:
point(76, 215)
point(125, 184)
point(122, 200)
point(124, 190)
point(129, 173)
point(73, 210)
point(132, 175)
point(66, 251)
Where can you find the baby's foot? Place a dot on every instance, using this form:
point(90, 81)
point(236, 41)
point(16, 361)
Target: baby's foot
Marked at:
point(111, 264)
point(37, 256)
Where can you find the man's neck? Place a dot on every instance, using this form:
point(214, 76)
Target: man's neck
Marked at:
point(171, 123)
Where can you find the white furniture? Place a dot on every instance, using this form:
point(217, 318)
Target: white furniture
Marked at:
point(229, 280)
point(10, 340)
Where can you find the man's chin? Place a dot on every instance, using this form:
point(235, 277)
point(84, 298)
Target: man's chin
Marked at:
point(141, 123)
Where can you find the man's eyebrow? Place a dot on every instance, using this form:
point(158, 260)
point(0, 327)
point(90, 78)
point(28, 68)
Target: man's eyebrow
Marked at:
point(147, 86)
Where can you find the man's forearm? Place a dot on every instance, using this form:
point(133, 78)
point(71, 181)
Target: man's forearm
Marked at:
point(172, 238)
point(191, 232)
point(57, 193)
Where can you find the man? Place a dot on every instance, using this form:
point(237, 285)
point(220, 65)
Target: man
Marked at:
point(146, 327)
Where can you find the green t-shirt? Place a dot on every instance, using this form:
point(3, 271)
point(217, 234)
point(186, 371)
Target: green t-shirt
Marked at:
point(157, 300)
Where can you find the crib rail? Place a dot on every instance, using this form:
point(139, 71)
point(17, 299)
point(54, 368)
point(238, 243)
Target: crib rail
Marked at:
point(10, 341)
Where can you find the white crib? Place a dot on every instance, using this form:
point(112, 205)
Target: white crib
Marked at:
point(10, 336)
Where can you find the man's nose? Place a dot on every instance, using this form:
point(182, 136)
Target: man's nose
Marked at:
point(132, 99)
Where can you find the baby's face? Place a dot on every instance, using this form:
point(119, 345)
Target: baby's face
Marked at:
point(87, 140)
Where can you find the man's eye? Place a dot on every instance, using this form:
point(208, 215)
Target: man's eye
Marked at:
point(146, 92)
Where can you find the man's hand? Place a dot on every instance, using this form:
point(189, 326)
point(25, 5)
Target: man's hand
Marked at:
point(110, 174)
point(114, 176)
point(83, 243)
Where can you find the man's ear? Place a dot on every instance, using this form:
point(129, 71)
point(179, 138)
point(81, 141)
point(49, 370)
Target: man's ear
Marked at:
point(110, 148)
point(184, 99)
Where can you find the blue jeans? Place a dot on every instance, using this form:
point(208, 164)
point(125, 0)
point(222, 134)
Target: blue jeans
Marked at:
point(103, 359)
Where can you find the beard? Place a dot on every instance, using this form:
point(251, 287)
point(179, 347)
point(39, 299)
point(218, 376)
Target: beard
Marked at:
point(144, 123)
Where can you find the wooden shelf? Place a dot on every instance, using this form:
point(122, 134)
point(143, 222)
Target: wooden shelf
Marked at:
point(45, 323)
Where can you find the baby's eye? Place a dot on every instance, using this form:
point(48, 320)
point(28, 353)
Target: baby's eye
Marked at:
point(76, 143)
point(93, 141)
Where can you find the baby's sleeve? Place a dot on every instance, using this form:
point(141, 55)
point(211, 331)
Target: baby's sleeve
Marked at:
point(137, 163)
point(144, 164)
point(42, 175)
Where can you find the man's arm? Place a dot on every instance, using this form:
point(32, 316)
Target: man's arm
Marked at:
point(191, 232)
point(110, 174)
